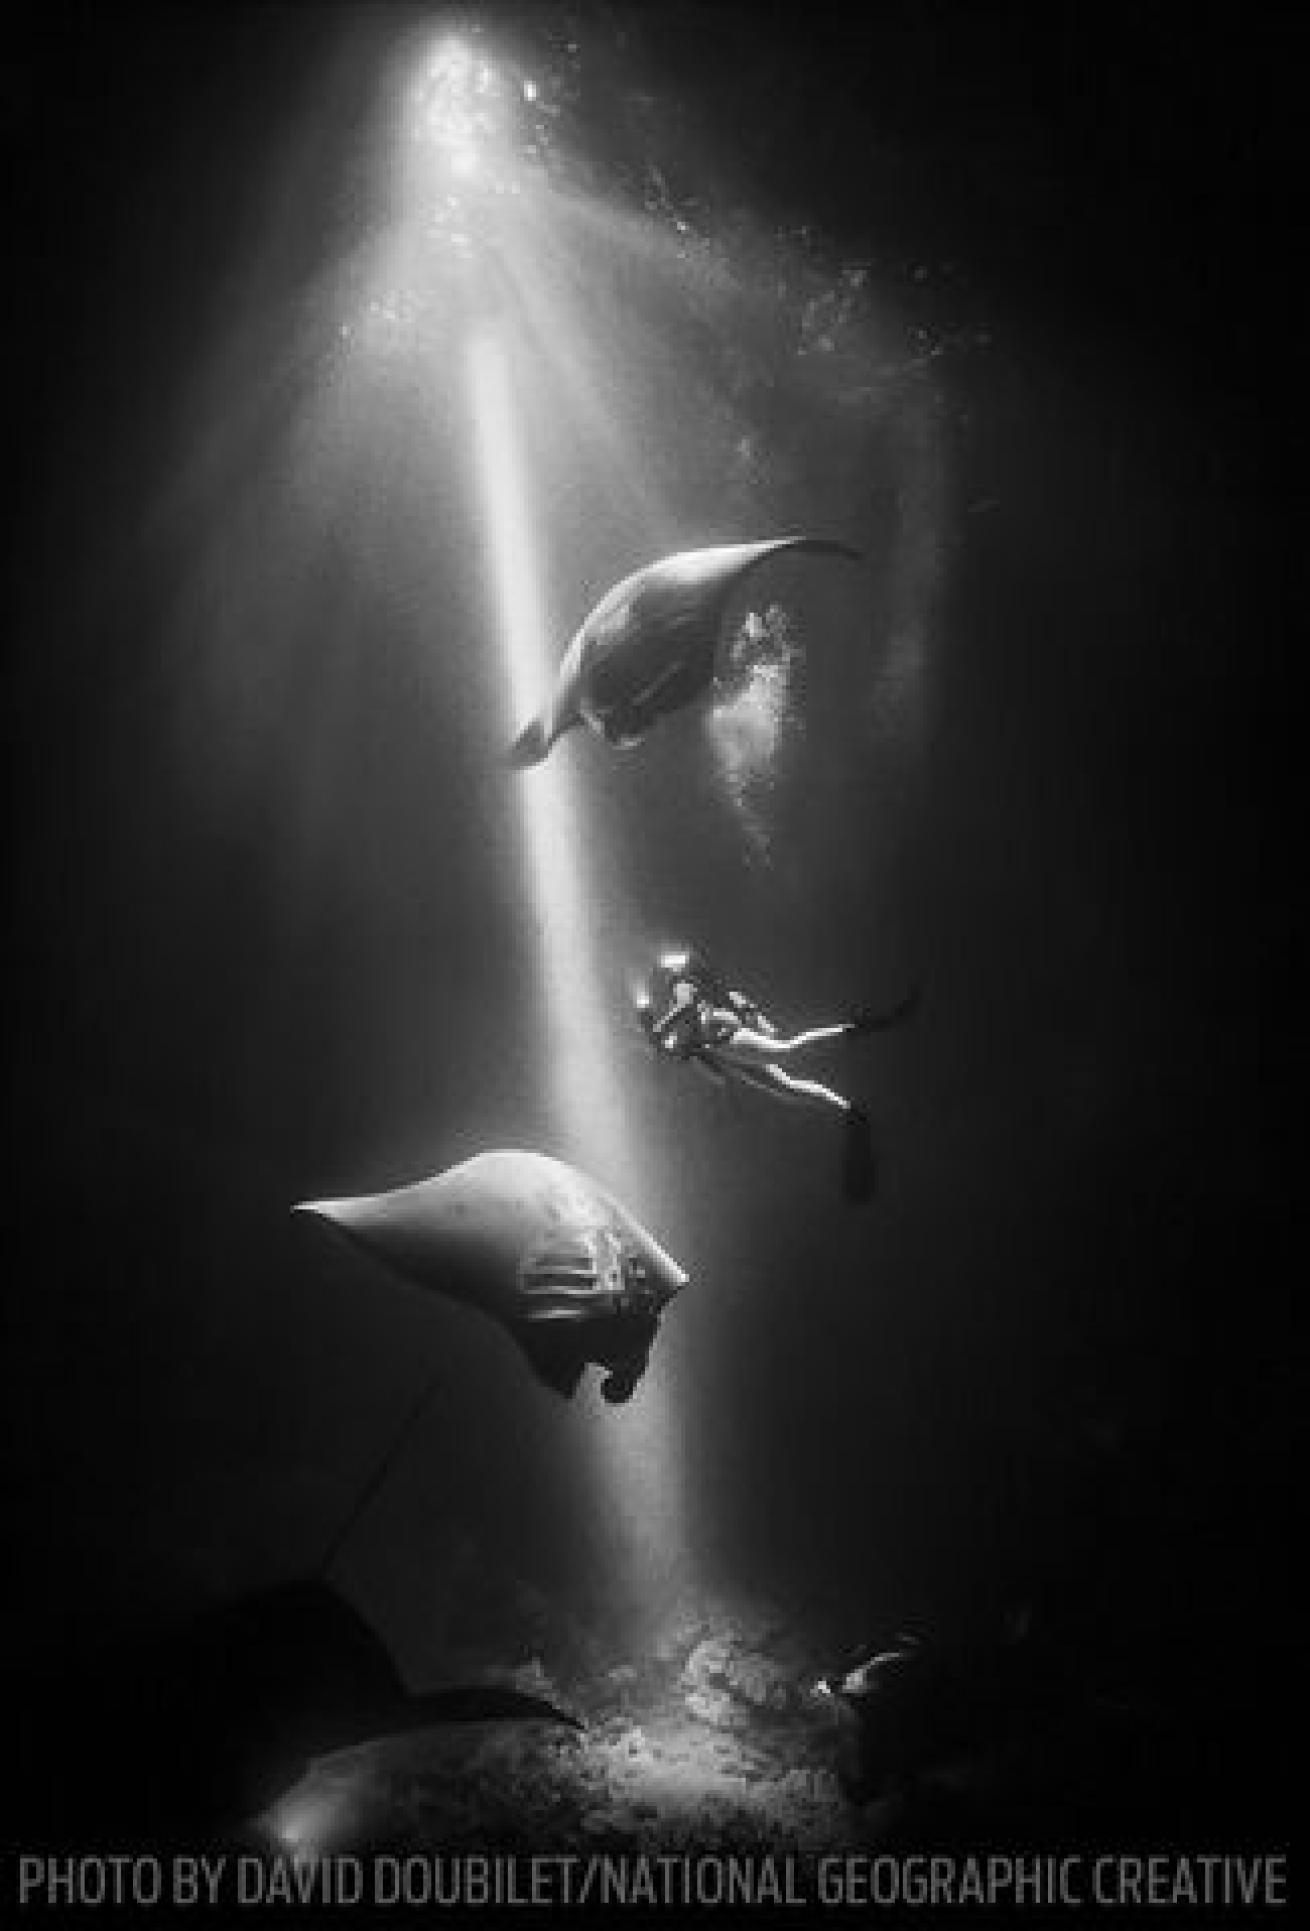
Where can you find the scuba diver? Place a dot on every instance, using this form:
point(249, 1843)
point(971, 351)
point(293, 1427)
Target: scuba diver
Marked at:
point(688, 1010)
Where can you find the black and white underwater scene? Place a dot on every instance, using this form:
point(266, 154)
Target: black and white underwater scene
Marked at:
point(649, 912)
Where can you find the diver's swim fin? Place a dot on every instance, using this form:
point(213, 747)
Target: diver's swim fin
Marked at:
point(859, 1171)
point(868, 1021)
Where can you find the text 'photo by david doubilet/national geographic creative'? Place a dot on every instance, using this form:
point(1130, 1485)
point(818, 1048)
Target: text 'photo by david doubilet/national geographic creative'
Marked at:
point(649, 913)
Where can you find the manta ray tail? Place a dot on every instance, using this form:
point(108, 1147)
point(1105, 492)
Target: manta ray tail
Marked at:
point(484, 1703)
point(529, 747)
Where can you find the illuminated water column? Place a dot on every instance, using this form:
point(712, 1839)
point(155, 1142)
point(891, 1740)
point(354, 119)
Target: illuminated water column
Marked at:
point(636, 1445)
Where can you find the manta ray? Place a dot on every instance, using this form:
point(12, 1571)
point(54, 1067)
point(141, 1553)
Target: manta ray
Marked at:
point(651, 644)
point(536, 1245)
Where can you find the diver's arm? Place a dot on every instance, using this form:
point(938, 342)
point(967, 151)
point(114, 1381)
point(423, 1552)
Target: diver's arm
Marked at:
point(661, 1028)
point(667, 1020)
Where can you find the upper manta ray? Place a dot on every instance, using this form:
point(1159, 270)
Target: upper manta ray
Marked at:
point(650, 644)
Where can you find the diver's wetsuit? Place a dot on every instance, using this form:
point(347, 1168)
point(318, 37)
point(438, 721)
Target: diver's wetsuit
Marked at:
point(739, 1041)
point(706, 1022)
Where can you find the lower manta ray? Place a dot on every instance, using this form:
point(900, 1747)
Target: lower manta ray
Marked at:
point(539, 1247)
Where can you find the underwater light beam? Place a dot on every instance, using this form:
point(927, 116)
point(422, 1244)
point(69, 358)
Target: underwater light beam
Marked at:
point(638, 1448)
point(584, 1100)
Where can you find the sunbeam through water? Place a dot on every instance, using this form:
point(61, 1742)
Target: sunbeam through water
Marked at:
point(636, 1449)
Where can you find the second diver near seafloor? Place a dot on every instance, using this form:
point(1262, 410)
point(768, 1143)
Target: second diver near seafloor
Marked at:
point(689, 1012)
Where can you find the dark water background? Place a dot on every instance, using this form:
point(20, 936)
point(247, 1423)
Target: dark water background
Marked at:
point(265, 939)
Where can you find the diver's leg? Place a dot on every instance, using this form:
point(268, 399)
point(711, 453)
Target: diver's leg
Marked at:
point(749, 1047)
point(812, 1036)
point(809, 1092)
point(758, 1033)
point(858, 1166)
